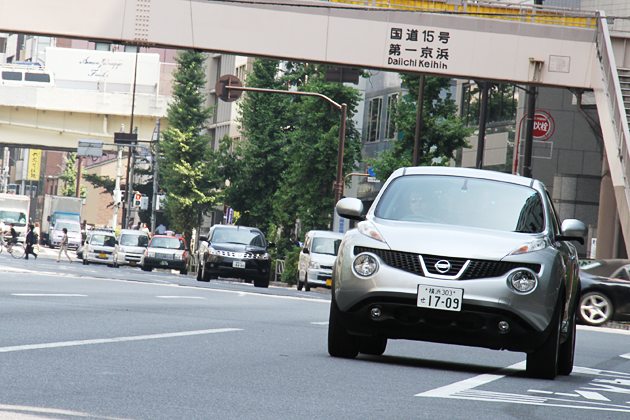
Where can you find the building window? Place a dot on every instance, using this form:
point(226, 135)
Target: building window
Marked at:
point(502, 102)
point(240, 72)
point(103, 46)
point(390, 129)
point(132, 49)
point(374, 119)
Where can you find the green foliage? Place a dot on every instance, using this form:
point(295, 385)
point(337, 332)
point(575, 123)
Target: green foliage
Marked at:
point(69, 177)
point(442, 131)
point(99, 181)
point(187, 171)
point(291, 267)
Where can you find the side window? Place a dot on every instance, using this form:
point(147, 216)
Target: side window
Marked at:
point(555, 221)
point(622, 274)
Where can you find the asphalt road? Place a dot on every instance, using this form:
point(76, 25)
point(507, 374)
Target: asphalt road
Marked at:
point(94, 342)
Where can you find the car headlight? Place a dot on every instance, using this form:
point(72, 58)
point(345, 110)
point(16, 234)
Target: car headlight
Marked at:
point(212, 251)
point(150, 254)
point(314, 265)
point(367, 228)
point(535, 245)
point(522, 280)
point(365, 265)
point(265, 256)
point(177, 257)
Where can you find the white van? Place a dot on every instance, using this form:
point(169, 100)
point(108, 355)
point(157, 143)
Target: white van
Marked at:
point(26, 75)
point(317, 258)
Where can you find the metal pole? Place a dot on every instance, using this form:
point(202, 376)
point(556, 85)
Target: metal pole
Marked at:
point(416, 141)
point(117, 204)
point(529, 132)
point(156, 138)
point(481, 137)
point(342, 140)
point(78, 191)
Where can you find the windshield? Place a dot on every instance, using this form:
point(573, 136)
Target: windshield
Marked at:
point(134, 240)
point(168, 243)
point(102, 240)
point(463, 201)
point(238, 236)
point(72, 227)
point(67, 216)
point(328, 246)
point(8, 216)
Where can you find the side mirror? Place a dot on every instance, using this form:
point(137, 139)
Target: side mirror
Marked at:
point(271, 245)
point(305, 250)
point(573, 230)
point(203, 238)
point(350, 208)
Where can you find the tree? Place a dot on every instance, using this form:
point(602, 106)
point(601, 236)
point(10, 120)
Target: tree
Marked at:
point(187, 170)
point(69, 177)
point(442, 131)
point(258, 162)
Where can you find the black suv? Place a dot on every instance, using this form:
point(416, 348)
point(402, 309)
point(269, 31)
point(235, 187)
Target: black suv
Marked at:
point(235, 251)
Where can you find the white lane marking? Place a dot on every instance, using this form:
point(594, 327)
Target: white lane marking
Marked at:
point(625, 356)
point(603, 329)
point(320, 323)
point(538, 391)
point(180, 297)
point(467, 384)
point(49, 294)
point(8, 412)
point(114, 340)
point(591, 395)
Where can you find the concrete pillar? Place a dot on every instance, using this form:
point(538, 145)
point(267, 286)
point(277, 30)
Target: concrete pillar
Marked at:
point(610, 242)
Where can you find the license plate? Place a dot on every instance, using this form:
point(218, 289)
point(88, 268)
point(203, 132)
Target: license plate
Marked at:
point(102, 256)
point(132, 263)
point(238, 264)
point(163, 262)
point(328, 282)
point(444, 298)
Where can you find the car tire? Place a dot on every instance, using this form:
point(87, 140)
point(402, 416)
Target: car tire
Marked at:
point(566, 353)
point(542, 363)
point(183, 271)
point(374, 346)
point(85, 262)
point(146, 268)
point(595, 308)
point(199, 271)
point(261, 282)
point(299, 283)
point(340, 342)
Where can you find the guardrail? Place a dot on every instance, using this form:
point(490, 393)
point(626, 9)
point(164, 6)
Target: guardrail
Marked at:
point(279, 269)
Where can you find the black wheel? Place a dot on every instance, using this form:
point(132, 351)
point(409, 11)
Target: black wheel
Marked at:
point(183, 271)
point(85, 262)
point(566, 353)
point(595, 308)
point(299, 283)
point(146, 268)
point(205, 276)
point(542, 363)
point(373, 345)
point(261, 282)
point(340, 343)
point(307, 287)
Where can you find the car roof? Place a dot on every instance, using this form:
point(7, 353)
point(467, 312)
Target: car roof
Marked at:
point(132, 232)
point(325, 234)
point(465, 172)
point(67, 221)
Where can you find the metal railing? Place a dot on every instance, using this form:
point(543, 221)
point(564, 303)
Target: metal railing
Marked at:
point(279, 269)
point(506, 11)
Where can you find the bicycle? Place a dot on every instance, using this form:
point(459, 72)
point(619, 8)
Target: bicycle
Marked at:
point(17, 250)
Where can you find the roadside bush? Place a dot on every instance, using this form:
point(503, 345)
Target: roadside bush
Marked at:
point(291, 267)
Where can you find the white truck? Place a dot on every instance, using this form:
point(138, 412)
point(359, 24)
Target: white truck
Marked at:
point(58, 207)
point(15, 209)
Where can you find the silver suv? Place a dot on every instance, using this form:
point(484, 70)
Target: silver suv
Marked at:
point(458, 256)
point(130, 247)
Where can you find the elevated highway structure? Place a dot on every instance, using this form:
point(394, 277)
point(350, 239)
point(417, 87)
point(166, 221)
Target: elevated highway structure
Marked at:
point(526, 45)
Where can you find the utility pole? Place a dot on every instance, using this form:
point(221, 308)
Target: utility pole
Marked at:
point(132, 159)
point(529, 131)
point(117, 194)
point(78, 189)
point(416, 141)
point(481, 136)
point(156, 139)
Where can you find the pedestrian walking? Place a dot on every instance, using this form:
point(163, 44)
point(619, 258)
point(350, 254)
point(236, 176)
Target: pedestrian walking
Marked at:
point(38, 235)
point(30, 241)
point(63, 246)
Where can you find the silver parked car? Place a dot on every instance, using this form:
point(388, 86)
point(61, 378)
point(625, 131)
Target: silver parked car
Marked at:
point(317, 258)
point(130, 247)
point(458, 256)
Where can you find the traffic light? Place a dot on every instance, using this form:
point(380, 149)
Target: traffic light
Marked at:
point(144, 202)
point(137, 200)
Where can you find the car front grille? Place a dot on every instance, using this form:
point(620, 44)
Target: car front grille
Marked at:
point(475, 269)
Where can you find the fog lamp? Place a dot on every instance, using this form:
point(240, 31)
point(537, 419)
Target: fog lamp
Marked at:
point(504, 326)
point(522, 280)
point(376, 312)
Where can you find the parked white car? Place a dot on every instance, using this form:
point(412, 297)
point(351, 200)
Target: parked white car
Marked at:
point(99, 247)
point(317, 258)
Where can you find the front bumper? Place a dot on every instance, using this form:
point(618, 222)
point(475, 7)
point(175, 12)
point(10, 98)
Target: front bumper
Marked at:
point(71, 244)
point(152, 262)
point(223, 266)
point(128, 258)
point(103, 257)
point(319, 277)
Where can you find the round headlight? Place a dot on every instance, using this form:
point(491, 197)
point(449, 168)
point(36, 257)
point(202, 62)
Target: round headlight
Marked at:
point(522, 280)
point(365, 265)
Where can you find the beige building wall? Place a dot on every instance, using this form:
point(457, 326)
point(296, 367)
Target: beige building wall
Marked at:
point(99, 210)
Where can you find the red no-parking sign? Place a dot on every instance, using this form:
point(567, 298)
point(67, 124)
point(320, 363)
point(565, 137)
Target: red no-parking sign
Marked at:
point(544, 126)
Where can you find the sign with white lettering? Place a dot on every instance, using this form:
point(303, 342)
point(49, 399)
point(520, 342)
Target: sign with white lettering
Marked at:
point(416, 48)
